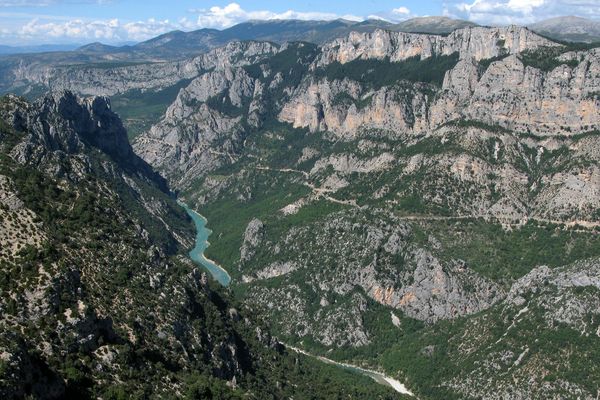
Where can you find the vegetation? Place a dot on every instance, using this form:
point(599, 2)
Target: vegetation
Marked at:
point(547, 58)
point(378, 73)
point(485, 63)
point(506, 255)
point(222, 103)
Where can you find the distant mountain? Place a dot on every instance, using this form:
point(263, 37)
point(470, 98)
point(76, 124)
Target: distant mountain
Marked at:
point(182, 44)
point(436, 25)
point(573, 29)
point(37, 49)
point(177, 45)
point(97, 47)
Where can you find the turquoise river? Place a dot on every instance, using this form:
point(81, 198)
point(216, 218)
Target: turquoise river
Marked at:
point(197, 253)
point(221, 275)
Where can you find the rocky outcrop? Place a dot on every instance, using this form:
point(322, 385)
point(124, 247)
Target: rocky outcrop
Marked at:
point(439, 292)
point(509, 94)
point(252, 237)
point(346, 108)
point(194, 136)
point(522, 98)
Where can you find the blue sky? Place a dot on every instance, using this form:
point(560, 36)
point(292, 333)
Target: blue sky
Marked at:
point(116, 21)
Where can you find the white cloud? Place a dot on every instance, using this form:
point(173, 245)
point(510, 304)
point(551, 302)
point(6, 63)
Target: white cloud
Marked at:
point(39, 28)
point(233, 13)
point(48, 29)
point(112, 30)
point(398, 14)
point(378, 17)
point(502, 12)
point(401, 11)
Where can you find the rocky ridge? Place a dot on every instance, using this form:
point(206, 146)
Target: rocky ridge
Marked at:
point(92, 80)
point(476, 43)
point(508, 93)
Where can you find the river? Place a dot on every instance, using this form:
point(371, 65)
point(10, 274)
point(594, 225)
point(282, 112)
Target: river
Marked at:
point(197, 253)
point(221, 275)
point(376, 376)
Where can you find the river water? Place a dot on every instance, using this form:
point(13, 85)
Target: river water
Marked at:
point(197, 253)
point(221, 275)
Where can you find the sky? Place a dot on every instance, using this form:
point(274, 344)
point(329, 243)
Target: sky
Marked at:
point(29, 22)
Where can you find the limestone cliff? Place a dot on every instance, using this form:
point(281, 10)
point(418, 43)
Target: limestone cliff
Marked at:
point(471, 43)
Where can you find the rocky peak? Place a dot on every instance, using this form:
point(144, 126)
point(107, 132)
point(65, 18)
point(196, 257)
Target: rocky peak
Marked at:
point(234, 54)
point(62, 130)
point(75, 122)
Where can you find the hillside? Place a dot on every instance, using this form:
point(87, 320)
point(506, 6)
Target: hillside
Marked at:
point(97, 297)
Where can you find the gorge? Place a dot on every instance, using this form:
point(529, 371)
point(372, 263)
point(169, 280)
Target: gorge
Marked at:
point(425, 205)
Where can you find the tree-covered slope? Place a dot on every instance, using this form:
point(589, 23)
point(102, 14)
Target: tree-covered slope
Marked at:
point(96, 296)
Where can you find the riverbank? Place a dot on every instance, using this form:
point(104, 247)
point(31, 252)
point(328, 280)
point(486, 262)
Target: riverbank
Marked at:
point(376, 376)
point(223, 277)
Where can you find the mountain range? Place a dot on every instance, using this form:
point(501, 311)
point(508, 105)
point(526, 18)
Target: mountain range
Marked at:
point(421, 204)
point(179, 44)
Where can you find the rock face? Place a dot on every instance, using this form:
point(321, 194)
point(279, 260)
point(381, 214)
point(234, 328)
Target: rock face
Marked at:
point(252, 238)
point(522, 98)
point(79, 122)
point(193, 137)
point(438, 292)
point(509, 93)
point(471, 43)
point(316, 106)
